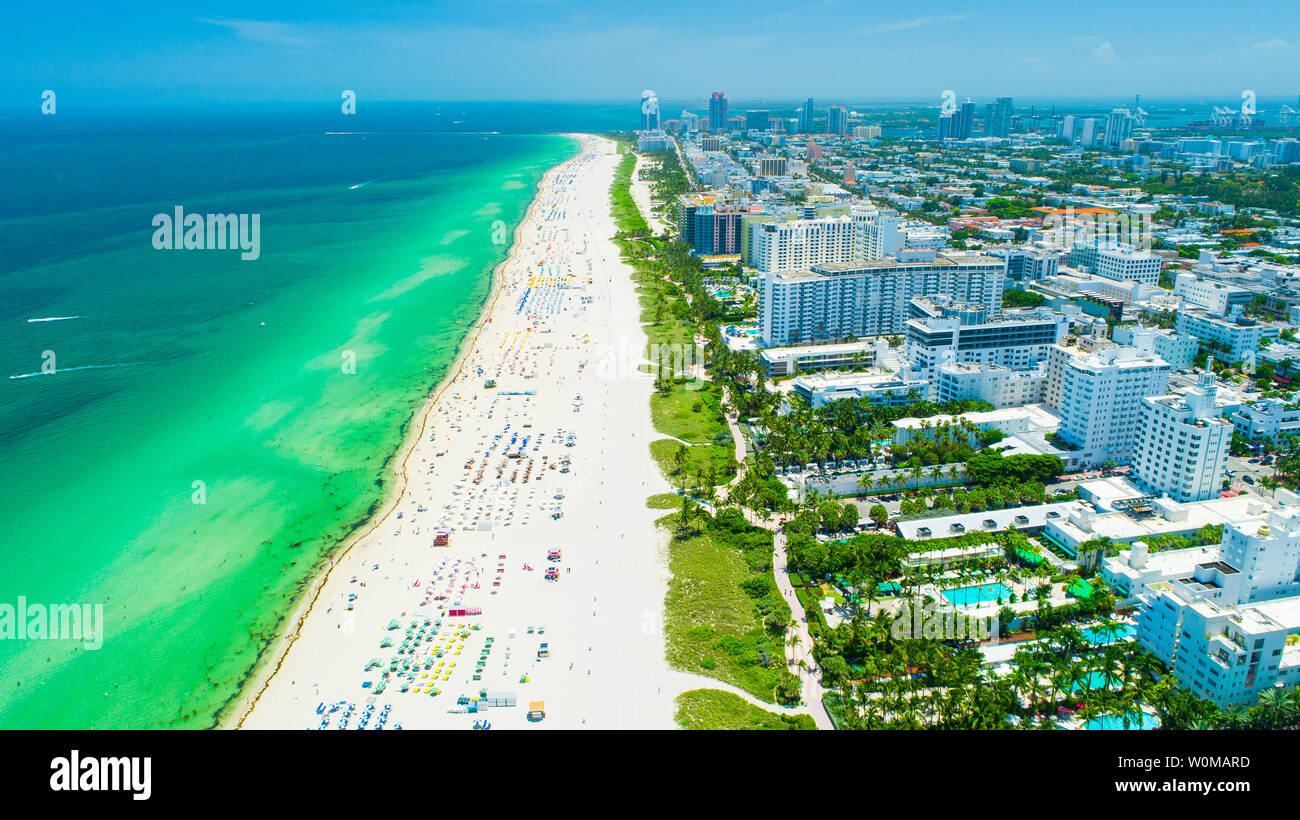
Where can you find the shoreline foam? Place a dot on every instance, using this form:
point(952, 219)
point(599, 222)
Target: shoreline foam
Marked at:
point(233, 715)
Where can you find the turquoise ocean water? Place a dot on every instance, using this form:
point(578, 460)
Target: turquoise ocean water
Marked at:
point(192, 366)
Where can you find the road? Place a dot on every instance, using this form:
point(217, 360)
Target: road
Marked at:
point(1239, 467)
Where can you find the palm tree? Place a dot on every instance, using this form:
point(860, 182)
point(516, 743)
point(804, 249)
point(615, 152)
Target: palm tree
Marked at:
point(865, 483)
point(1271, 483)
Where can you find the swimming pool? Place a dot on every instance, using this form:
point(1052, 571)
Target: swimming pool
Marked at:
point(979, 594)
point(1096, 636)
point(1141, 720)
point(1094, 680)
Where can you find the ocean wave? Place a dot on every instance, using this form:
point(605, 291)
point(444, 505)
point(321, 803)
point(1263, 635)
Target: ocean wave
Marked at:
point(54, 319)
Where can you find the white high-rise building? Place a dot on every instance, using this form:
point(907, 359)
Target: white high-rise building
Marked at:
point(798, 244)
point(1067, 128)
point(1098, 394)
point(1267, 550)
point(1088, 135)
point(1224, 653)
point(1182, 443)
point(1017, 341)
point(1216, 298)
point(1225, 630)
point(878, 233)
point(869, 298)
point(1119, 262)
point(867, 233)
point(1119, 127)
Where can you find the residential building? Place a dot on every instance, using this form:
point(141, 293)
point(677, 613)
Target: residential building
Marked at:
point(1267, 550)
point(718, 112)
point(1179, 349)
point(770, 166)
point(837, 120)
point(1119, 127)
point(1216, 298)
point(799, 244)
point(649, 111)
point(1098, 391)
point(1226, 654)
point(1232, 339)
point(786, 361)
point(806, 116)
point(1088, 132)
point(998, 122)
point(717, 230)
point(999, 386)
point(963, 334)
point(964, 121)
point(1269, 419)
point(1115, 261)
point(1182, 443)
point(878, 389)
point(869, 298)
point(1026, 264)
point(1067, 128)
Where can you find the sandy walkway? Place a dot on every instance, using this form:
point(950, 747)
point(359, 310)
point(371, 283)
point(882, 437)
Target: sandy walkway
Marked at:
point(495, 465)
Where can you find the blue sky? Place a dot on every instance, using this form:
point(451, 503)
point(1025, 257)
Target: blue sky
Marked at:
point(276, 50)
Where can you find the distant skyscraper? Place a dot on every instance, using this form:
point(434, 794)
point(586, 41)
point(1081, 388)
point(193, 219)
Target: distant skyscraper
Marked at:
point(1089, 134)
point(837, 120)
point(1067, 128)
point(1119, 127)
point(718, 112)
point(758, 120)
point(806, 116)
point(964, 124)
point(649, 111)
point(945, 126)
point(999, 119)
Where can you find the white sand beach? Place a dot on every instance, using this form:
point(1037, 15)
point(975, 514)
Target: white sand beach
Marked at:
point(553, 457)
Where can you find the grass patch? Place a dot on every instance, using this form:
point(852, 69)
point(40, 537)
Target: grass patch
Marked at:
point(713, 709)
point(626, 214)
point(690, 415)
point(664, 501)
point(706, 459)
point(725, 616)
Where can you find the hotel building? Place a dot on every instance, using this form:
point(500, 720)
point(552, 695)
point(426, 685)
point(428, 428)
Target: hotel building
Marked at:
point(1098, 392)
point(1182, 443)
point(869, 298)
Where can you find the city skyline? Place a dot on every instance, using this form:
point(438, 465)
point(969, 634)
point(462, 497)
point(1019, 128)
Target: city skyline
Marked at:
point(189, 53)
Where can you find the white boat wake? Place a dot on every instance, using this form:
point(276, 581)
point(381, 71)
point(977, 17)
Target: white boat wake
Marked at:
point(86, 367)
